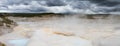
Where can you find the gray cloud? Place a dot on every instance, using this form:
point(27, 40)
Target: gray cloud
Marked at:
point(60, 6)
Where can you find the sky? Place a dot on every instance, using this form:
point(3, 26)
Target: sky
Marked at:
point(61, 6)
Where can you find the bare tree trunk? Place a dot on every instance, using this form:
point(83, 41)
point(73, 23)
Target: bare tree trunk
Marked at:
point(5, 21)
point(6, 25)
point(1, 44)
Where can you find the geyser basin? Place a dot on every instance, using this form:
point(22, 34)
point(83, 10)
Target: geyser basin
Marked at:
point(47, 37)
point(72, 30)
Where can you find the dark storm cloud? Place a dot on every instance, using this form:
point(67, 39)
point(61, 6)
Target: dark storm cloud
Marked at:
point(108, 6)
point(55, 3)
point(60, 6)
point(106, 2)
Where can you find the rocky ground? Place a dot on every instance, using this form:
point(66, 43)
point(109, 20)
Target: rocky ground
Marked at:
point(69, 30)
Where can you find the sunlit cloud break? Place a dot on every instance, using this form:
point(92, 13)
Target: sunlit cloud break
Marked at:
point(61, 6)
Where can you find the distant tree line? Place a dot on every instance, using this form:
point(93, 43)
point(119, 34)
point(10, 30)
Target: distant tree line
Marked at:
point(32, 14)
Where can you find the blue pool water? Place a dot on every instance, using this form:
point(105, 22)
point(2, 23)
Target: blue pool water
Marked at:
point(19, 42)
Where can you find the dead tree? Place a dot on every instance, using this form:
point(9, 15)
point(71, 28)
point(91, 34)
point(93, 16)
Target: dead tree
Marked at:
point(5, 21)
point(1, 44)
point(6, 25)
